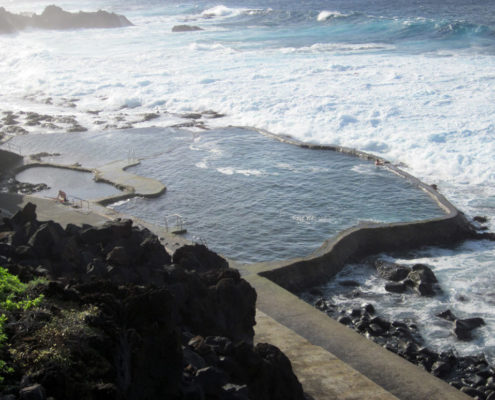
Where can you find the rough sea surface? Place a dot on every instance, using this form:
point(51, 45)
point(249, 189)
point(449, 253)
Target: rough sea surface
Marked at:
point(412, 81)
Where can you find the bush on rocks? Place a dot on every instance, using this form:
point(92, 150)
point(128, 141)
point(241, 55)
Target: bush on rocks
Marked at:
point(118, 320)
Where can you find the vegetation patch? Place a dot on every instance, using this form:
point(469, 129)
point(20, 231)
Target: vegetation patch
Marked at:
point(14, 298)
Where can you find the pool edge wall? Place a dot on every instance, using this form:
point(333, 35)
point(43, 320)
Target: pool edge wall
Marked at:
point(359, 242)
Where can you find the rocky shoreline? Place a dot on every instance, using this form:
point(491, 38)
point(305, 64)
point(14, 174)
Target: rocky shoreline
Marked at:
point(120, 318)
point(472, 375)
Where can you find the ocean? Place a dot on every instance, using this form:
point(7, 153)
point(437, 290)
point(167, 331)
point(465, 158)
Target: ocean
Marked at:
point(410, 81)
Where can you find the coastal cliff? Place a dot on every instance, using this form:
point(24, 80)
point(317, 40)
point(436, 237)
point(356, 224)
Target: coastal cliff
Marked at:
point(54, 17)
point(106, 312)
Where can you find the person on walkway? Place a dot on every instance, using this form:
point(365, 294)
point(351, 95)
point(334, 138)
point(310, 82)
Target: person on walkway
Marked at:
point(62, 196)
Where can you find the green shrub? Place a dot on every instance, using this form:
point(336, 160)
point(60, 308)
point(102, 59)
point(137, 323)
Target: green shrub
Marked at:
point(13, 298)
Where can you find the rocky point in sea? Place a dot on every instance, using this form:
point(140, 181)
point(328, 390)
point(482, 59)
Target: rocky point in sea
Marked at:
point(54, 17)
point(107, 313)
point(472, 375)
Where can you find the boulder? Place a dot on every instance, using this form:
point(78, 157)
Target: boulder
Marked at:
point(422, 279)
point(27, 214)
point(198, 257)
point(211, 379)
point(46, 238)
point(463, 327)
point(391, 271)
point(448, 315)
point(395, 287)
point(186, 28)
point(33, 392)
point(276, 380)
point(118, 256)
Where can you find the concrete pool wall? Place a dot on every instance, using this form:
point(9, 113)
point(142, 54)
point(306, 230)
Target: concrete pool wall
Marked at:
point(113, 174)
point(365, 239)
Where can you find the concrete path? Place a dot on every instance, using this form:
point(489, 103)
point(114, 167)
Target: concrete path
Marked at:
point(321, 373)
point(359, 356)
point(115, 174)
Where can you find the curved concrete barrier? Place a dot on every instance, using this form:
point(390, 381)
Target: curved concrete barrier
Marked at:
point(113, 174)
point(365, 239)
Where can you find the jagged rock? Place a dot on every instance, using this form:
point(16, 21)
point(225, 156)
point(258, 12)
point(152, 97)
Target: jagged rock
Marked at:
point(198, 257)
point(33, 392)
point(154, 252)
point(27, 214)
point(472, 392)
point(448, 315)
point(54, 17)
point(118, 256)
point(463, 327)
point(395, 287)
point(278, 382)
point(211, 380)
point(391, 271)
point(344, 320)
point(46, 237)
point(423, 279)
point(186, 28)
point(441, 368)
point(114, 308)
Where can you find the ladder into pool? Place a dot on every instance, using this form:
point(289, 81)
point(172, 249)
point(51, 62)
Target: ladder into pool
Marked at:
point(175, 224)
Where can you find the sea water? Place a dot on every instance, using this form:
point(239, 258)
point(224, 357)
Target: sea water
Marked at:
point(412, 81)
point(248, 196)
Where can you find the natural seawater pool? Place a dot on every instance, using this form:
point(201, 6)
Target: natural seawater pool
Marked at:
point(249, 197)
point(76, 184)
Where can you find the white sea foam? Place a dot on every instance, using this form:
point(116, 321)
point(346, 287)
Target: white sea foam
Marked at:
point(221, 11)
point(325, 15)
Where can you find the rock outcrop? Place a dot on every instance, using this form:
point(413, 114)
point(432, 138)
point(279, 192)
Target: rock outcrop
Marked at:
point(419, 277)
point(186, 28)
point(122, 319)
point(472, 375)
point(54, 17)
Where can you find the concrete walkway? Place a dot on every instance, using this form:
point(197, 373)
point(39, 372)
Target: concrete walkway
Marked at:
point(321, 373)
point(115, 174)
point(359, 357)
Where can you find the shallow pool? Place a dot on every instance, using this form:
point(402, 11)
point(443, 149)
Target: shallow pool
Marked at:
point(76, 184)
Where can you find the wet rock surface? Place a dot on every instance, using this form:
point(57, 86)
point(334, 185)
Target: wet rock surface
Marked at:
point(122, 319)
point(419, 278)
point(472, 374)
point(186, 28)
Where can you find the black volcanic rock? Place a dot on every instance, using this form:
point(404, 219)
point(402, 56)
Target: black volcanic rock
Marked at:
point(53, 17)
point(463, 327)
point(186, 28)
point(391, 271)
point(119, 321)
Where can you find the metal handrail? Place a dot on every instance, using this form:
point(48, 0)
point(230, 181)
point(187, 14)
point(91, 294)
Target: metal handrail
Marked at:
point(179, 224)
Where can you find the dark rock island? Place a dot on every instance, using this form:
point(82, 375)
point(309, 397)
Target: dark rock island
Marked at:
point(54, 17)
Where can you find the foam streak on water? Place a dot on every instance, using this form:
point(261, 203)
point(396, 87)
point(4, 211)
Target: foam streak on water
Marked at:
point(412, 81)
